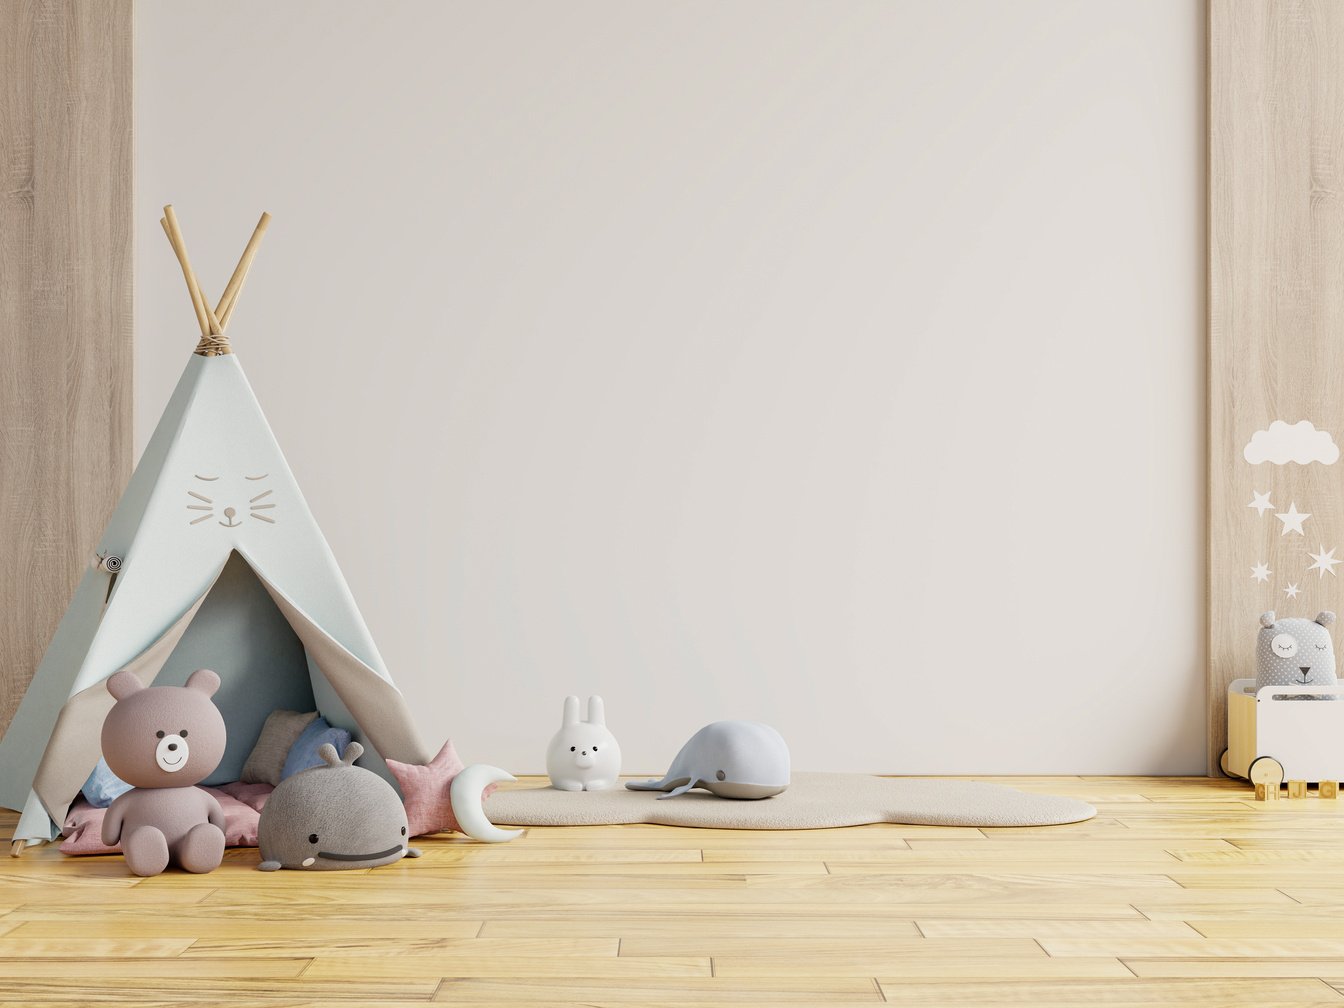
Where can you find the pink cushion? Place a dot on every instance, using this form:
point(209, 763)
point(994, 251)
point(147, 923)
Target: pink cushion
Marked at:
point(426, 791)
point(84, 824)
point(252, 795)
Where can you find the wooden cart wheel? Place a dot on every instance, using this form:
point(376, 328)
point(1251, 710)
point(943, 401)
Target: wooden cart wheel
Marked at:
point(1222, 765)
point(1266, 773)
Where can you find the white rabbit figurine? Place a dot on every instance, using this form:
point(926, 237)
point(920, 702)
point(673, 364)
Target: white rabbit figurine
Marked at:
point(583, 756)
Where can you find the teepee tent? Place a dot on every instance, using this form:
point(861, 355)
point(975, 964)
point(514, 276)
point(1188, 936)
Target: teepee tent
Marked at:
point(211, 559)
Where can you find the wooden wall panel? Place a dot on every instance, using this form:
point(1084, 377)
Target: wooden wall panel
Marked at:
point(65, 307)
point(1276, 317)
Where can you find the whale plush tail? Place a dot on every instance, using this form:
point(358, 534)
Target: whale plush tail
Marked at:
point(673, 787)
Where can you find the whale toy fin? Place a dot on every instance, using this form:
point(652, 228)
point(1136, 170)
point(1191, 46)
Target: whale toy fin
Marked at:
point(679, 790)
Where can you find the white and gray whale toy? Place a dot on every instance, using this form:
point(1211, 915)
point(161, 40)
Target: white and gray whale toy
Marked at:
point(730, 759)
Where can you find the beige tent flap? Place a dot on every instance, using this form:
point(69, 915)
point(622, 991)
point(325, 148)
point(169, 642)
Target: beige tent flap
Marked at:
point(377, 706)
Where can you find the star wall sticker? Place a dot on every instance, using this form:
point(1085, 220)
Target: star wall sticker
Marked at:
point(1324, 561)
point(1261, 572)
point(1292, 591)
point(1292, 520)
point(1261, 502)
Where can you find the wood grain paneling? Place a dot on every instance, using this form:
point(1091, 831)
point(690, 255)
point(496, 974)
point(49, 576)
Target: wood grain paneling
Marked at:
point(1276, 310)
point(65, 307)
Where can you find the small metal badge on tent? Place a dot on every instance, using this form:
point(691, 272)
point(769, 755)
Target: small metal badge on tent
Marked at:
point(108, 563)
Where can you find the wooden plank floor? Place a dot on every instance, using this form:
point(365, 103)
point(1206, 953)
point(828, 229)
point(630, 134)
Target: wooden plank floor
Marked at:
point(1180, 891)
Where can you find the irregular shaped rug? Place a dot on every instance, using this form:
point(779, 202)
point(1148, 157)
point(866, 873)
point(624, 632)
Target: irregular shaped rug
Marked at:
point(813, 801)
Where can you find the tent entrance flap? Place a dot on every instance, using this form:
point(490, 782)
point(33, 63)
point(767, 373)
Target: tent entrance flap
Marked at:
point(75, 744)
point(241, 634)
point(269, 655)
point(378, 710)
point(233, 628)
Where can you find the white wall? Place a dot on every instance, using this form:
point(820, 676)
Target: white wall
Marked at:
point(837, 365)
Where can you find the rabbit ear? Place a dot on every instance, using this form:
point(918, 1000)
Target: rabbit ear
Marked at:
point(571, 714)
point(596, 713)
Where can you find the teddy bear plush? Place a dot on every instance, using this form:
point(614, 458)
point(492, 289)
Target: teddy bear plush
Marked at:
point(163, 740)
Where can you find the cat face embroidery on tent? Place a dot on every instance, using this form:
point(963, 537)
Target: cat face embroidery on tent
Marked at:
point(227, 500)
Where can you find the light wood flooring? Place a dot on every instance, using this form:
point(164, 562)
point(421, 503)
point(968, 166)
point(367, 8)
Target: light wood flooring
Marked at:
point(1181, 891)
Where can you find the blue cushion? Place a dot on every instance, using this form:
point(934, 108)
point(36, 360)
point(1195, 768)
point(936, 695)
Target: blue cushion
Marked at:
point(303, 753)
point(103, 786)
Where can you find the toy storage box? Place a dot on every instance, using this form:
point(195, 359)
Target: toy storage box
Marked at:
point(1272, 738)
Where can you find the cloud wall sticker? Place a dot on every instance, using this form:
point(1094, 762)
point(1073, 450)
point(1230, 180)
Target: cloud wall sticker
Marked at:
point(1283, 443)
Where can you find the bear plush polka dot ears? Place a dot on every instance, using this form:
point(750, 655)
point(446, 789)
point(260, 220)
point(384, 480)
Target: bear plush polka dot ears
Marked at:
point(1295, 652)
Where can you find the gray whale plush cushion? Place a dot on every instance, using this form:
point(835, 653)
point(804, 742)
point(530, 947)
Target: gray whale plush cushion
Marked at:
point(813, 801)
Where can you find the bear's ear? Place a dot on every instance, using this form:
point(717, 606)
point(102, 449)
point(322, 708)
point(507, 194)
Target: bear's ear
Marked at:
point(1325, 618)
point(204, 680)
point(122, 684)
point(1267, 619)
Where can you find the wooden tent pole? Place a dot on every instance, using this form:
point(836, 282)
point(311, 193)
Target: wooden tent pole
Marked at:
point(214, 326)
point(196, 304)
point(212, 322)
point(180, 247)
point(231, 292)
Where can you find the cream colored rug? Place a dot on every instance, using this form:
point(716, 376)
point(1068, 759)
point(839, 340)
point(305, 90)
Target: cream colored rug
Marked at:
point(813, 801)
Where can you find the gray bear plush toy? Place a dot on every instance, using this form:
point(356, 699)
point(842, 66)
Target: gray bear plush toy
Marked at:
point(1295, 652)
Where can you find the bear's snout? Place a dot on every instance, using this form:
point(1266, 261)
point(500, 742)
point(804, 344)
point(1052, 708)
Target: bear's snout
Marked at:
point(171, 753)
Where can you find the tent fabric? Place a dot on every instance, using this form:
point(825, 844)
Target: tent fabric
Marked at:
point(212, 483)
point(384, 713)
point(75, 744)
